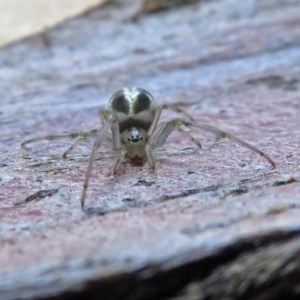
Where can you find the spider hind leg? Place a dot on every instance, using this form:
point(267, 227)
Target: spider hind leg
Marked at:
point(174, 124)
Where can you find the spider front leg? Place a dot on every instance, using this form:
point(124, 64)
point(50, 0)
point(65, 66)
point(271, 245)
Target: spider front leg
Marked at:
point(158, 113)
point(150, 159)
point(164, 129)
point(159, 130)
point(103, 114)
point(82, 136)
point(176, 123)
point(162, 132)
point(110, 121)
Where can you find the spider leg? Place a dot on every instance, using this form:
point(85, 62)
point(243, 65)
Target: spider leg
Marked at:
point(92, 133)
point(121, 155)
point(100, 137)
point(166, 128)
point(54, 137)
point(189, 137)
point(102, 116)
point(150, 158)
point(229, 136)
point(158, 130)
point(179, 111)
point(167, 107)
point(116, 141)
point(170, 126)
point(81, 135)
point(82, 138)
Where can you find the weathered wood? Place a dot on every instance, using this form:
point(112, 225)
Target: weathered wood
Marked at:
point(211, 224)
point(149, 6)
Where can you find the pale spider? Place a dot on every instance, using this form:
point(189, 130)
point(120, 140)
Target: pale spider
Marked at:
point(132, 118)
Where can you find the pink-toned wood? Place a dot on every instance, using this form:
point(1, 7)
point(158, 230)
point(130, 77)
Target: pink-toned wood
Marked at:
point(202, 214)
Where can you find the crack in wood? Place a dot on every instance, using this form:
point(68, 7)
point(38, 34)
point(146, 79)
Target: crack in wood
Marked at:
point(38, 196)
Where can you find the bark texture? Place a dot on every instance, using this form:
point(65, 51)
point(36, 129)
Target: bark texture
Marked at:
point(212, 224)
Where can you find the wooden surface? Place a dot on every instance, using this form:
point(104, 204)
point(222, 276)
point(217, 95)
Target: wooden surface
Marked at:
point(21, 19)
point(212, 224)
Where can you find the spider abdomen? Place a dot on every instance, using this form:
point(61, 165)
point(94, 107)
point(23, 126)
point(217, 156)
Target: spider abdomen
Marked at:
point(134, 107)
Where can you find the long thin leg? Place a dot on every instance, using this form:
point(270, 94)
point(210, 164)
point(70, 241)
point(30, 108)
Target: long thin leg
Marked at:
point(55, 137)
point(115, 131)
point(96, 146)
point(174, 124)
point(158, 136)
point(102, 113)
point(189, 137)
point(121, 155)
point(159, 128)
point(83, 137)
point(150, 158)
point(229, 136)
point(167, 107)
point(106, 141)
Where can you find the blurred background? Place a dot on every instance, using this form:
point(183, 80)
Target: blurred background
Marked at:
point(19, 18)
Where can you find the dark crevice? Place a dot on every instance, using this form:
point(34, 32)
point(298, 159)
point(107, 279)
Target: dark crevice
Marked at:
point(160, 281)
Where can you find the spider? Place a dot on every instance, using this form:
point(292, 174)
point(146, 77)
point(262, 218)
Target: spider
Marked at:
point(132, 118)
